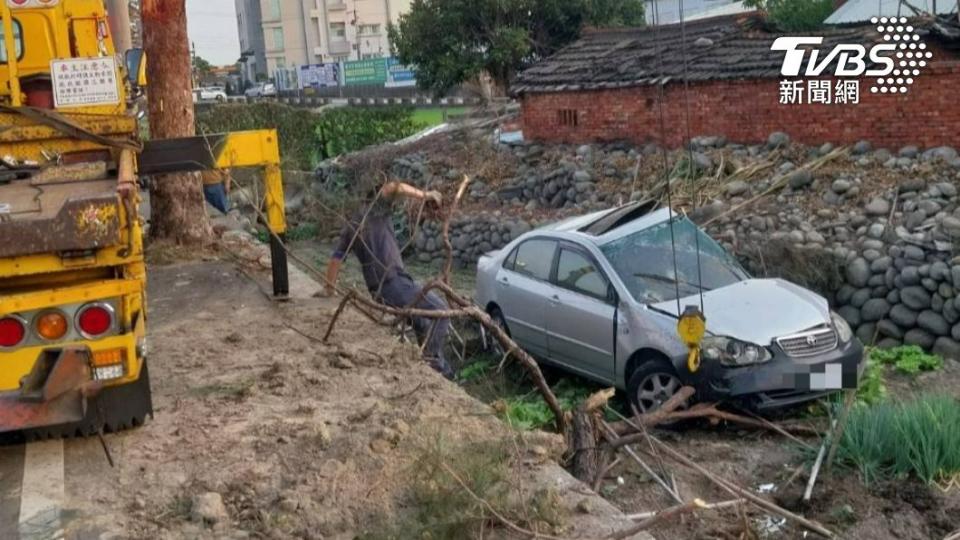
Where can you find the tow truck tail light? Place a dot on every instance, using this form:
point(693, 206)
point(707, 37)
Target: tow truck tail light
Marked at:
point(51, 325)
point(12, 331)
point(108, 364)
point(95, 320)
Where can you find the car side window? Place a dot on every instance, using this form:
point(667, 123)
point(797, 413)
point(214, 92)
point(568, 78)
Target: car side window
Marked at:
point(511, 260)
point(577, 273)
point(534, 258)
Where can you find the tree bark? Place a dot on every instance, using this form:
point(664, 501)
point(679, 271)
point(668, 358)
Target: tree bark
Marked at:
point(178, 212)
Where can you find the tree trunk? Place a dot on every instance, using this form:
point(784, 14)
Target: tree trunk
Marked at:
point(178, 212)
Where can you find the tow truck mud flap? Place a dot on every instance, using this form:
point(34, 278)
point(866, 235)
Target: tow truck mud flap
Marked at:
point(55, 392)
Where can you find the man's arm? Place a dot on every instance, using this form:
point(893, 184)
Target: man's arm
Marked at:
point(399, 189)
point(333, 272)
point(336, 260)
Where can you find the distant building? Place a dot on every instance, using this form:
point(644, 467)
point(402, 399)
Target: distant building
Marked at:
point(280, 35)
point(668, 11)
point(860, 11)
point(253, 59)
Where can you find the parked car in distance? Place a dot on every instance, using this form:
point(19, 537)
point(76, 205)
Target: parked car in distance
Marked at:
point(210, 93)
point(600, 296)
point(261, 90)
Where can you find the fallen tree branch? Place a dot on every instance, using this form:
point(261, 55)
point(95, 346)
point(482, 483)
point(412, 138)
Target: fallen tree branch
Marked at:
point(448, 247)
point(659, 517)
point(711, 412)
point(610, 436)
point(738, 491)
point(712, 506)
point(657, 417)
point(469, 311)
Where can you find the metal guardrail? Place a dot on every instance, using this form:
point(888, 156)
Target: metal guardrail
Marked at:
point(308, 101)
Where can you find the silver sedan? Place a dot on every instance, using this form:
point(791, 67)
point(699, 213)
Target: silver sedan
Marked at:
point(600, 295)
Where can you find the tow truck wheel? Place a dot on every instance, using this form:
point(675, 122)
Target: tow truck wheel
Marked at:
point(652, 384)
point(114, 409)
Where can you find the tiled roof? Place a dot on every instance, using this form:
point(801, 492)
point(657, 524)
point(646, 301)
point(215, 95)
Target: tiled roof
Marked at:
point(716, 49)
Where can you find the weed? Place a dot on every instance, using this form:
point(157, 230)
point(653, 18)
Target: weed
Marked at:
point(909, 359)
point(237, 390)
point(532, 412)
point(443, 509)
point(888, 440)
point(304, 231)
point(475, 370)
point(872, 390)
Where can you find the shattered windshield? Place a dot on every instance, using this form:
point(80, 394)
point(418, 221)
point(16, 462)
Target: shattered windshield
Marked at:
point(645, 263)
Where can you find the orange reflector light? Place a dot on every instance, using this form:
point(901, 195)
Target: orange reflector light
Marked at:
point(51, 326)
point(108, 357)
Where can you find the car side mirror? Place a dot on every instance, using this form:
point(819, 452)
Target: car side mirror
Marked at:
point(135, 61)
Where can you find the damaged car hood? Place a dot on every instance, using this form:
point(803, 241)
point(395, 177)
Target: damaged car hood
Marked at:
point(757, 310)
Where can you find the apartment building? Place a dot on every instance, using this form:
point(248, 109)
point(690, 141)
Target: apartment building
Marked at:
point(253, 60)
point(284, 34)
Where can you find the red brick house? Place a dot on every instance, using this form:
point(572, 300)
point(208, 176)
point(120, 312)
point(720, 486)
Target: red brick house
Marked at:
point(606, 87)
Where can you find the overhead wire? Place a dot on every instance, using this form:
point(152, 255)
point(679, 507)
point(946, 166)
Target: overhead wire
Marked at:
point(663, 146)
point(686, 114)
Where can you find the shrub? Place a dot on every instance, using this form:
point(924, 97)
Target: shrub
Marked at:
point(348, 129)
point(299, 146)
point(532, 412)
point(795, 15)
point(888, 440)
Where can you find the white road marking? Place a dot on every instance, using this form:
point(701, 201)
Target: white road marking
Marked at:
point(42, 493)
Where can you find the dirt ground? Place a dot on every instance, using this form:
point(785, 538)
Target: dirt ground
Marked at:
point(895, 510)
point(299, 439)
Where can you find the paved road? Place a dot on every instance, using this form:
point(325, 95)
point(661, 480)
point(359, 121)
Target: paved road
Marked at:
point(42, 484)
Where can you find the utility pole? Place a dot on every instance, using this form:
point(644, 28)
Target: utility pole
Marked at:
point(118, 12)
point(178, 210)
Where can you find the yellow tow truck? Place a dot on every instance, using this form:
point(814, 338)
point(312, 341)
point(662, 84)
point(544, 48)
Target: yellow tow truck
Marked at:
point(73, 309)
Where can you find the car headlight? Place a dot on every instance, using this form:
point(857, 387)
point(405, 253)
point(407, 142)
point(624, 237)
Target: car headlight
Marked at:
point(732, 352)
point(842, 327)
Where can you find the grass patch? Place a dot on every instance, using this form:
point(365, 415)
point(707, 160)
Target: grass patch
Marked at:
point(909, 359)
point(918, 438)
point(443, 509)
point(433, 116)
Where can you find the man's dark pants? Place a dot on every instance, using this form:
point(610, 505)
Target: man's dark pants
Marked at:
point(401, 292)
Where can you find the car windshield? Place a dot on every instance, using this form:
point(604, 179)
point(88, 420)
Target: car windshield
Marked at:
point(644, 261)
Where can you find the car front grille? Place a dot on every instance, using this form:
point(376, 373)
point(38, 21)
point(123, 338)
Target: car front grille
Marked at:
point(810, 343)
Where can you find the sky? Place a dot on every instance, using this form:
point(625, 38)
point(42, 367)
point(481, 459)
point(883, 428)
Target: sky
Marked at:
point(212, 25)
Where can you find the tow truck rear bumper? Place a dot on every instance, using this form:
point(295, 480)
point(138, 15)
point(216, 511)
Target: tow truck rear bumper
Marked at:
point(54, 392)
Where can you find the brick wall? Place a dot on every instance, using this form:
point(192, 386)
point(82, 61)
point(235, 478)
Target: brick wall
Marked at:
point(748, 111)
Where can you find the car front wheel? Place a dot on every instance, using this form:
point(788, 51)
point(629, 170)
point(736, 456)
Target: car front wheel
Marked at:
point(652, 384)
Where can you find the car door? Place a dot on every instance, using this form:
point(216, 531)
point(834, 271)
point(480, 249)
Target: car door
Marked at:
point(580, 315)
point(523, 283)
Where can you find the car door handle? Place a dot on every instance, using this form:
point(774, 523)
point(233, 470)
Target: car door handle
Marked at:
point(505, 282)
point(555, 299)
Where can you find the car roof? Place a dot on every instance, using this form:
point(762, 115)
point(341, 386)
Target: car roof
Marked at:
point(606, 226)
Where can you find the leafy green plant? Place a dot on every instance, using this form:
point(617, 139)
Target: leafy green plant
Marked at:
point(475, 370)
point(795, 15)
point(299, 146)
point(872, 390)
point(303, 231)
point(889, 440)
point(532, 412)
point(348, 129)
point(909, 359)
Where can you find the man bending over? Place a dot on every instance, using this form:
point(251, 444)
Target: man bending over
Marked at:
point(369, 235)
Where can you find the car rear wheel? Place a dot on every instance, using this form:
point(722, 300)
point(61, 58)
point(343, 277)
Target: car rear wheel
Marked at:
point(652, 384)
point(493, 345)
